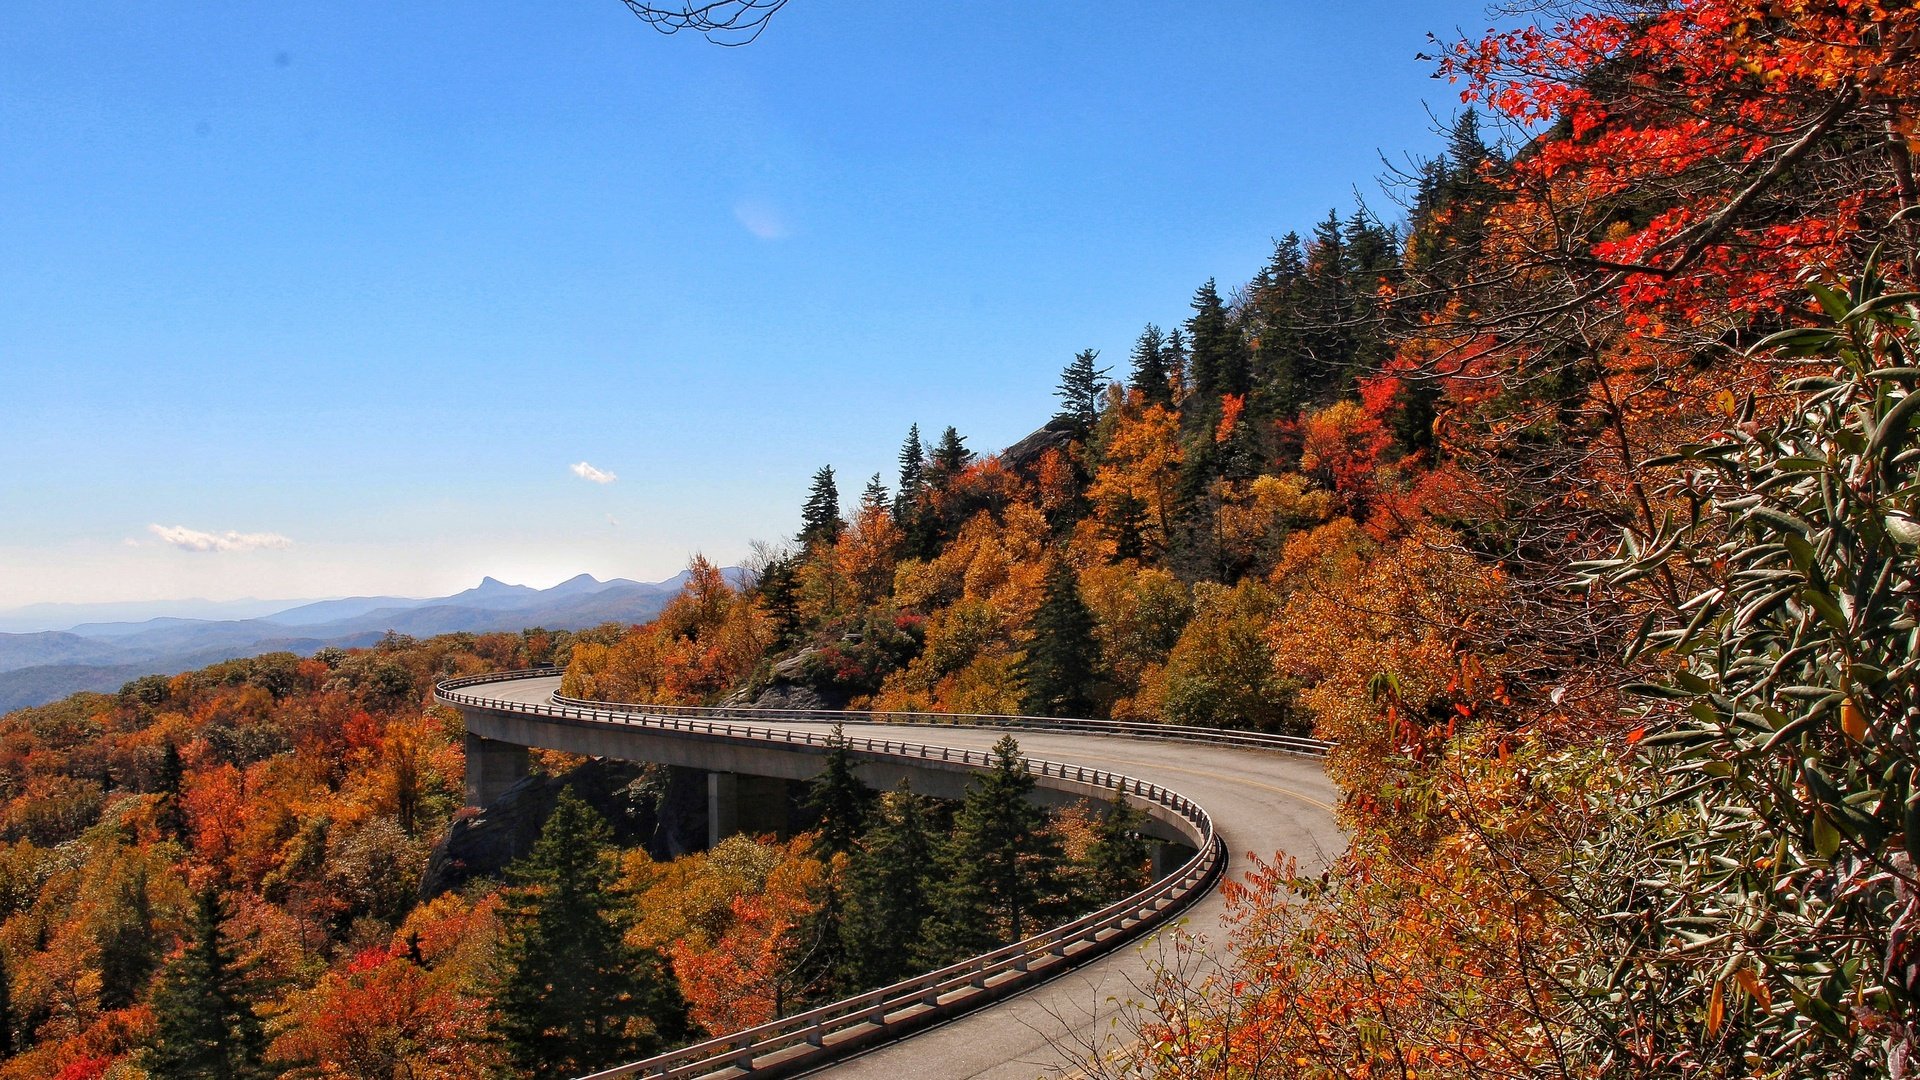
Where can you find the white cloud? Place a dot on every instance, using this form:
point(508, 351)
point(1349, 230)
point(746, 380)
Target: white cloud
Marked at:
point(761, 219)
point(587, 472)
point(194, 540)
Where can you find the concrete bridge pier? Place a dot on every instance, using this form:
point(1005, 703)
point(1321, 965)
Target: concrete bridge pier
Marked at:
point(1168, 857)
point(742, 803)
point(492, 768)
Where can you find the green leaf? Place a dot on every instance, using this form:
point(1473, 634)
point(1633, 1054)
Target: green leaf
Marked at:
point(1827, 607)
point(1831, 300)
point(1893, 425)
point(1826, 838)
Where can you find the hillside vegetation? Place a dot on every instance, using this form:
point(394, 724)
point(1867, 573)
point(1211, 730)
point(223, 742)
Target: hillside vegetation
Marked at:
point(220, 874)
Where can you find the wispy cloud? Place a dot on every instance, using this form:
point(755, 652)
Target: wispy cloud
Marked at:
point(587, 472)
point(760, 219)
point(194, 540)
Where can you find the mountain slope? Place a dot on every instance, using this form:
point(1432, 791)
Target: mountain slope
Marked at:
point(42, 667)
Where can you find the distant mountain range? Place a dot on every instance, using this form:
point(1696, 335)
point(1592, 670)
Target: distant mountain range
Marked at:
point(47, 665)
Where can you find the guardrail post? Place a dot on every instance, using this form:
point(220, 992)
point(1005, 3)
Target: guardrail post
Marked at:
point(1168, 857)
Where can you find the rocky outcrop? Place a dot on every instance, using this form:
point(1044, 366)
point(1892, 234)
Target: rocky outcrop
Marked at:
point(788, 686)
point(1025, 455)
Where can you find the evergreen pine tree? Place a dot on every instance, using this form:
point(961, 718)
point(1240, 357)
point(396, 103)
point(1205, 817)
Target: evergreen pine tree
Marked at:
point(913, 464)
point(1058, 669)
point(1127, 525)
point(205, 1027)
point(910, 510)
point(779, 591)
point(129, 950)
point(1276, 391)
point(1116, 862)
point(1150, 378)
point(815, 967)
point(1003, 865)
point(820, 518)
point(841, 800)
point(1218, 357)
point(1194, 550)
point(874, 496)
point(1466, 159)
point(1174, 359)
point(573, 996)
point(950, 457)
point(1079, 392)
point(1330, 315)
point(889, 900)
point(171, 814)
point(1419, 402)
point(1373, 255)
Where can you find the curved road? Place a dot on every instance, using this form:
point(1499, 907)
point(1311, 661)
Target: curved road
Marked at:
point(1262, 802)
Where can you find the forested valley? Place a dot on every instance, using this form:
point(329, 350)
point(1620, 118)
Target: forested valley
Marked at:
point(1576, 506)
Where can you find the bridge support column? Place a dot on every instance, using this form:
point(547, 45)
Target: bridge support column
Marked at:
point(739, 803)
point(492, 768)
point(1168, 857)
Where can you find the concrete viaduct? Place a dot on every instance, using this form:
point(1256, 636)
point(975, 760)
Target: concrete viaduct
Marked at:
point(1040, 1008)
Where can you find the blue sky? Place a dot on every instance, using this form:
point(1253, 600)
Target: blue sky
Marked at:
point(335, 294)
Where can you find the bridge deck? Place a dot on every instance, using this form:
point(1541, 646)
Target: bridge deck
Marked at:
point(1261, 803)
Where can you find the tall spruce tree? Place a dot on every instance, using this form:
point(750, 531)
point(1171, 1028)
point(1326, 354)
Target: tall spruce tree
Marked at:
point(1327, 331)
point(1217, 361)
point(820, 518)
point(1174, 357)
point(950, 457)
point(913, 464)
point(1115, 863)
point(890, 899)
point(779, 592)
point(815, 957)
point(573, 996)
point(1003, 866)
point(204, 1024)
point(1150, 377)
point(1058, 670)
point(842, 802)
point(171, 813)
point(910, 511)
point(874, 495)
point(1081, 384)
point(129, 949)
point(1276, 382)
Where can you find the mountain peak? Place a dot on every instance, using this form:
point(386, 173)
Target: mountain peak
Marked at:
point(493, 584)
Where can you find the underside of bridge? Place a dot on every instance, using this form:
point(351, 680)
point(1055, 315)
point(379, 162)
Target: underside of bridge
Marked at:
point(751, 788)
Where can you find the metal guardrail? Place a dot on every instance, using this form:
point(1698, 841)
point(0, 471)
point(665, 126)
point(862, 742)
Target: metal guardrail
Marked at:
point(807, 1039)
point(1129, 729)
point(1286, 744)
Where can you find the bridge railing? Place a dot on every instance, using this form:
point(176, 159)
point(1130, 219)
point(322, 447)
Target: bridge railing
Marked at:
point(806, 1039)
point(1290, 744)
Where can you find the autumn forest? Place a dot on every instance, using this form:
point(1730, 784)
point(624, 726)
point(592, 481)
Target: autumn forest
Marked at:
point(1573, 495)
